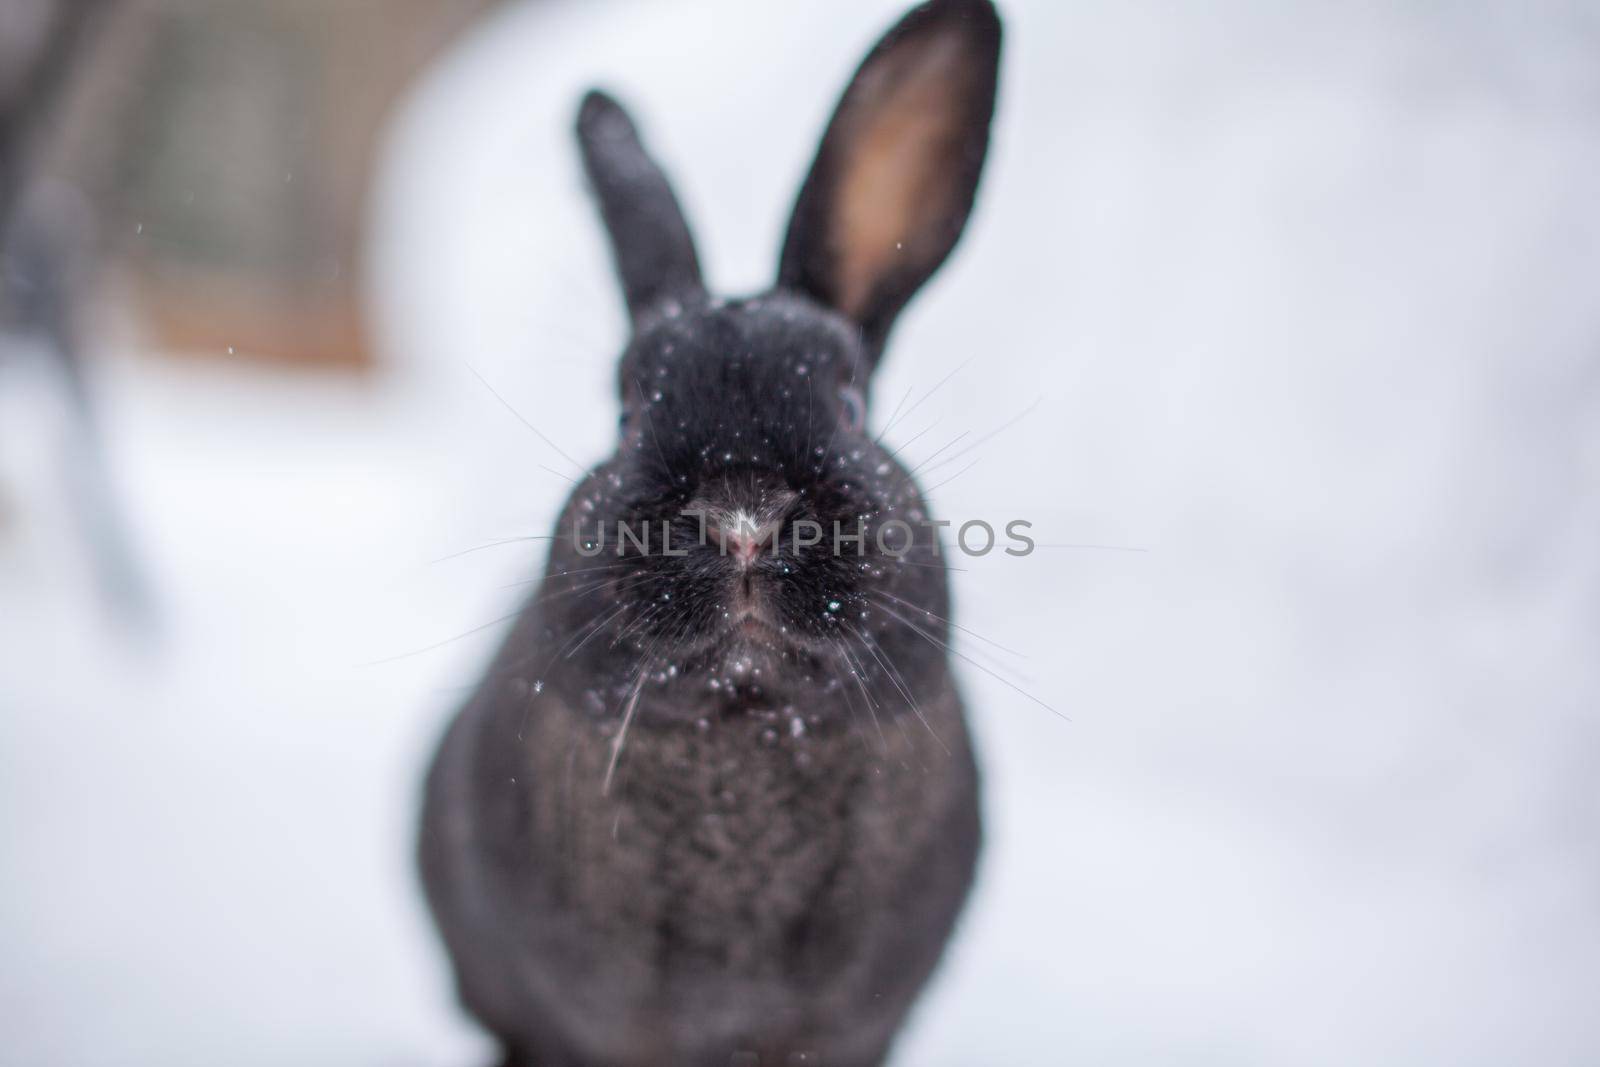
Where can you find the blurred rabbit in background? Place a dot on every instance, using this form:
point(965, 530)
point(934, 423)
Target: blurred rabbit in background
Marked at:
point(46, 258)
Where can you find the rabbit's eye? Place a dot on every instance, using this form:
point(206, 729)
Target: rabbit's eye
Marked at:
point(853, 407)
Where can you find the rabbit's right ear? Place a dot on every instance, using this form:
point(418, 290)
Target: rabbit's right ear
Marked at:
point(893, 182)
point(650, 240)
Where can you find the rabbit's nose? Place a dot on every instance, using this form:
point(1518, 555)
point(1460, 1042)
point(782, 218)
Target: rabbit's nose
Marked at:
point(739, 535)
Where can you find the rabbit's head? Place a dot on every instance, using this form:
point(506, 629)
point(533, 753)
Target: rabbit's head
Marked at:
point(746, 527)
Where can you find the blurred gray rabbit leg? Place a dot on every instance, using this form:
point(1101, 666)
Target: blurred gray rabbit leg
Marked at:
point(41, 280)
point(45, 251)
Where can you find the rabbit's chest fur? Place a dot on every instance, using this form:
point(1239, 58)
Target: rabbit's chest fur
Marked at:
point(730, 845)
point(739, 873)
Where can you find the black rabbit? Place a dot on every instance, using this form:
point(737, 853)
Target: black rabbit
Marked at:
point(714, 802)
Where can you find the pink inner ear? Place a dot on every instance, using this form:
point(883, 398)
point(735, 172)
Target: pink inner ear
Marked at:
point(896, 175)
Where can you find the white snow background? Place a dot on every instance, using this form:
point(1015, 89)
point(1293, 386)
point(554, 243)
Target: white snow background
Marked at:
point(1309, 298)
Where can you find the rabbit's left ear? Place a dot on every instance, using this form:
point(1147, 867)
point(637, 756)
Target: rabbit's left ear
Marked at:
point(894, 180)
point(650, 239)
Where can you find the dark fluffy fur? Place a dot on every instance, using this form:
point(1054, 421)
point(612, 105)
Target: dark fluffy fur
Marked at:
point(706, 810)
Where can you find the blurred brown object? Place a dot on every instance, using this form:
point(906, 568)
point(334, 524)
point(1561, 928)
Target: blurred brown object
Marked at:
point(229, 145)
